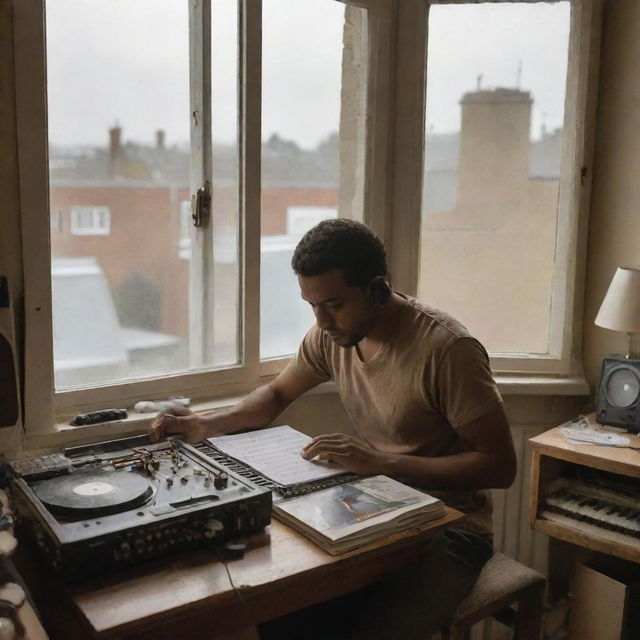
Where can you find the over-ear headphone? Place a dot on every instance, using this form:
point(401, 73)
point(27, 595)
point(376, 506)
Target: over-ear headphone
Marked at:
point(380, 291)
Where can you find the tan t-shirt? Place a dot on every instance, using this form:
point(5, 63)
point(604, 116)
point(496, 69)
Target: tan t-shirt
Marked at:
point(410, 398)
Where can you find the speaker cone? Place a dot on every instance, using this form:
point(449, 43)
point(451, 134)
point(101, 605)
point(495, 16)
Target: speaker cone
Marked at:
point(623, 387)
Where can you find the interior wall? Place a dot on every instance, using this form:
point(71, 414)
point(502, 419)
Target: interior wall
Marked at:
point(614, 226)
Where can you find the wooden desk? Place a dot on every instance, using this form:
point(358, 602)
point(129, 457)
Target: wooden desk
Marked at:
point(191, 595)
point(552, 458)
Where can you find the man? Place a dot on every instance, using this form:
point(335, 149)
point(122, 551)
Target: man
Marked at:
point(426, 411)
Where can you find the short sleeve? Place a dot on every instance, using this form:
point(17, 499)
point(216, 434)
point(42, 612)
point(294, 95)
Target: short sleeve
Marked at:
point(311, 358)
point(466, 388)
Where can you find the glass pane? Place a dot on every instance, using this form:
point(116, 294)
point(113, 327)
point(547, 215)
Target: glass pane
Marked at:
point(314, 68)
point(225, 218)
point(496, 80)
point(118, 96)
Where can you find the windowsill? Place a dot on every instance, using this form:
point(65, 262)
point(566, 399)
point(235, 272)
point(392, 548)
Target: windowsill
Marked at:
point(66, 435)
point(542, 385)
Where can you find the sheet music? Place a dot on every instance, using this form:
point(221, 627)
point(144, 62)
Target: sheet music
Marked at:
point(275, 453)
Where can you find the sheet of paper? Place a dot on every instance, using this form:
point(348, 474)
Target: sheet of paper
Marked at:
point(275, 453)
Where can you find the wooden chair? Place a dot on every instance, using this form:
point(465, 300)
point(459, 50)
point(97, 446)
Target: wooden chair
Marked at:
point(502, 583)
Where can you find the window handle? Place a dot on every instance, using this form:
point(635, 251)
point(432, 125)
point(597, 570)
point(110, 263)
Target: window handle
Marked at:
point(203, 206)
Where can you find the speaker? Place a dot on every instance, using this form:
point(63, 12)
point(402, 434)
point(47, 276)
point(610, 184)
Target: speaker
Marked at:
point(618, 400)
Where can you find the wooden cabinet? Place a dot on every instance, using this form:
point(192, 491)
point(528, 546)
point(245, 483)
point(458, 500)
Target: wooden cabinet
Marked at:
point(616, 468)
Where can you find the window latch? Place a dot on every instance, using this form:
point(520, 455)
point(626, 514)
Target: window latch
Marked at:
point(203, 206)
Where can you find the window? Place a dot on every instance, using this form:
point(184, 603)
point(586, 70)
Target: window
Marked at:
point(57, 221)
point(503, 194)
point(494, 139)
point(265, 116)
point(211, 111)
point(90, 221)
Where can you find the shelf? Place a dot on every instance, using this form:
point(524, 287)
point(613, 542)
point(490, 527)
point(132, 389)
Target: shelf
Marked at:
point(591, 537)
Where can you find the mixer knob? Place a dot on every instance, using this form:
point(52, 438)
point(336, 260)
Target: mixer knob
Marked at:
point(139, 545)
point(220, 480)
point(125, 549)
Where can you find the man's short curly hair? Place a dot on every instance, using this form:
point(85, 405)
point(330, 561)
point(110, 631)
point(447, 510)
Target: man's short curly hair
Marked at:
point(340, 243)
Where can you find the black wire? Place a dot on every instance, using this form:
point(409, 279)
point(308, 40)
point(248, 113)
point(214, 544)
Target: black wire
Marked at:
point(220, 557)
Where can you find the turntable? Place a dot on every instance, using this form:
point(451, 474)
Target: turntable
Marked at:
point(119, 502)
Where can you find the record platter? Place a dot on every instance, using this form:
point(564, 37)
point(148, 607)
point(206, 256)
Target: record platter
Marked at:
point(119, 502)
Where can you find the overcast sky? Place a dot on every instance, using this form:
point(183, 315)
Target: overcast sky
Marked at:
point(117, 60)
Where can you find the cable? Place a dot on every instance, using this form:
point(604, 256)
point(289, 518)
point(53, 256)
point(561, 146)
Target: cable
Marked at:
point(219, 556)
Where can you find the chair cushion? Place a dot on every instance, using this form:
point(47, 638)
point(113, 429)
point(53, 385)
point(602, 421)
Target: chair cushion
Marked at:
point(500, 578)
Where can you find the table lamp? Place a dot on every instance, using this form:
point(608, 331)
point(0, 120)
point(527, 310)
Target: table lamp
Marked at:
point(618, 399)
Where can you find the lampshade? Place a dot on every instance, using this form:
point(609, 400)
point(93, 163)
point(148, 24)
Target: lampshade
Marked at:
point(620, 309)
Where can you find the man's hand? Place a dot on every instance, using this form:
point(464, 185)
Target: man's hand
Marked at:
point(351, 453)
point(179, 420)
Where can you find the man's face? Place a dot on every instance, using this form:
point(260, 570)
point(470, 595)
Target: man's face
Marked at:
point(345, 313)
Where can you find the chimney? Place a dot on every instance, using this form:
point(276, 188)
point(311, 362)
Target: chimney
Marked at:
point(494, 147)
point(115, 149)
point(160, 135)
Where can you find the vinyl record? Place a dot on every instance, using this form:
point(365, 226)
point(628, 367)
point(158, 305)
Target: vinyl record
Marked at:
point(92, 493)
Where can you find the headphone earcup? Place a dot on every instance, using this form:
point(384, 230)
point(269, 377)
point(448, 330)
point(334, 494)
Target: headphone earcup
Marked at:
point(380, 291)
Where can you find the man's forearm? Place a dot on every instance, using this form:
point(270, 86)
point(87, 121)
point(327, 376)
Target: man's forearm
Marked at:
point(257, 409)
point(461, 471)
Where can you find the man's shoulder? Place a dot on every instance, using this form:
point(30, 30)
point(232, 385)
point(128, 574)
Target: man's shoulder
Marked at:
point(433, 324)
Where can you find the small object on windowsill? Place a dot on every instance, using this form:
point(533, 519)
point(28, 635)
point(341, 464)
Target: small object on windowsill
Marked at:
point(95, 417)
point(149, 406)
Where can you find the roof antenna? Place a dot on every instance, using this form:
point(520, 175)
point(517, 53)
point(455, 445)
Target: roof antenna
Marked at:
point(519, 75)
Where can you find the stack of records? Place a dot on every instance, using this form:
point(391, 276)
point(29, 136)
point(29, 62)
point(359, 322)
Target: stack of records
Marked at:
point(353, 514)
